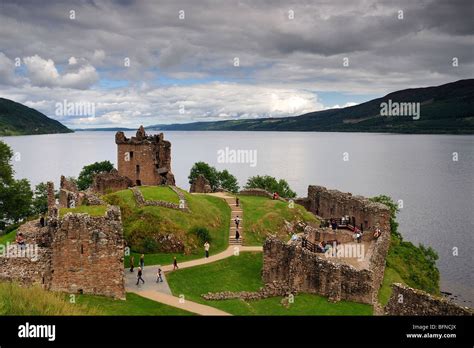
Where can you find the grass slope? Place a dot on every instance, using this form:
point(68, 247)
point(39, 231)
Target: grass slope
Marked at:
point(17, 300)
point(264, 216)
point(143, 224)
point(159, 193)
point(243, 272)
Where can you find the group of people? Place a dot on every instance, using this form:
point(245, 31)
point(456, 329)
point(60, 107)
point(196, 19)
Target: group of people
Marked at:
point(159, 273)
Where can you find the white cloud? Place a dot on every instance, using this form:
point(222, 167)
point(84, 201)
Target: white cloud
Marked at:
point(43, 72)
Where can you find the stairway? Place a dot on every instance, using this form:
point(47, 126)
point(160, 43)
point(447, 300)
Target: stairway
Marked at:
point(235, 211)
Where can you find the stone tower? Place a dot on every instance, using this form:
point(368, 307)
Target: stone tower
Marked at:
point(144, 159)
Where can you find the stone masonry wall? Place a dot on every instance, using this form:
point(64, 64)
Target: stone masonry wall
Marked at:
point(335, 204)
point(409, 301)
point(87, 254)
point(110, 182)
point(300, 270)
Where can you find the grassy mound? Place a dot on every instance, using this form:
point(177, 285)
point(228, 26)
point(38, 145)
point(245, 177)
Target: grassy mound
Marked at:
point(144, 226)
point(264, 216)
point(243, 273)
point(159, 193)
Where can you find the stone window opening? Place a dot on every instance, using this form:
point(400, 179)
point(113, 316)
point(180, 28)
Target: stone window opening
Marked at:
point(138, 168)
point(82, 248)
point(131, 154)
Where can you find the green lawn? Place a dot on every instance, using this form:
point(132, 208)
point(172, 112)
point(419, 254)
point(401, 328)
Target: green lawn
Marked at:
point(159, 193)
point(92, 210)
point(264, 216)
point(142, 224)
point(243, 273)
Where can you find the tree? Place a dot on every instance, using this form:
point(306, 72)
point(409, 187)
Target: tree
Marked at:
point(84, 181)
point(40, 198)
point(227, 181)
point(210, 173)
point(271, 184)
point(15, 195)
point(6, 171)
point(15, 200)
point(216, 179)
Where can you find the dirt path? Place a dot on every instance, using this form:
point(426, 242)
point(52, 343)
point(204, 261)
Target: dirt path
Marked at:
point(160, 292)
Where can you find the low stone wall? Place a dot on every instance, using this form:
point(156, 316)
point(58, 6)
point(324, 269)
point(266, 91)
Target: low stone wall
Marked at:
point(409, 301)
point(256, 192)
point(269, 290)
point(295, 268)
point(140, 200)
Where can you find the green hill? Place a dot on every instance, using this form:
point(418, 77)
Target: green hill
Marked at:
point(447, 109)
point(18, 119)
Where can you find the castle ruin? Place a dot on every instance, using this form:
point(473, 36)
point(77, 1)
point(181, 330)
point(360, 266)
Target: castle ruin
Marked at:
point(76, 253)
point(144, 159)
point(298, 266)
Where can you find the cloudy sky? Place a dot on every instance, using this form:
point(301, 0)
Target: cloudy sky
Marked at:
point(155, 62)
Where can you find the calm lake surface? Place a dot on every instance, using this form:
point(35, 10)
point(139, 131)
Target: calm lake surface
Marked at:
point(437, 192)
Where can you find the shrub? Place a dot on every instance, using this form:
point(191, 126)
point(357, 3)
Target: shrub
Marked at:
point(216, 179)
point(202, 233)
point(84, 181)
point(271, 184)
point(149, 245)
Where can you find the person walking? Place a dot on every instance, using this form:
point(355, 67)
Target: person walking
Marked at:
point(237, 235)
point(139, 276)
point(237, 221)
point(159, 278)
point(206, 248)
point(237, 201)
point(132, 262)
point(175, 264)
point(142, 261)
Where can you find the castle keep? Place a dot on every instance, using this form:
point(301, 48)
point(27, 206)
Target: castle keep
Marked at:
point(144, 159)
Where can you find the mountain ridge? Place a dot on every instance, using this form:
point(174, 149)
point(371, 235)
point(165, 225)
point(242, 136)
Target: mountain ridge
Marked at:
point(19, 119)
point(445, 109)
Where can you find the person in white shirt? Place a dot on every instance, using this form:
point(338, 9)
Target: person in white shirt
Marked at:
point(206, 248)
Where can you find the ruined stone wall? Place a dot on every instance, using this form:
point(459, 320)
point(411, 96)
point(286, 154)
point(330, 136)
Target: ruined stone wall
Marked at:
point(110, 182)
point(300, 270)
point(200, 185)
point(87, 254)
point(146, 160)
point(256, 192)
point(335, 204)
point(29, 266)
point(408, 301)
